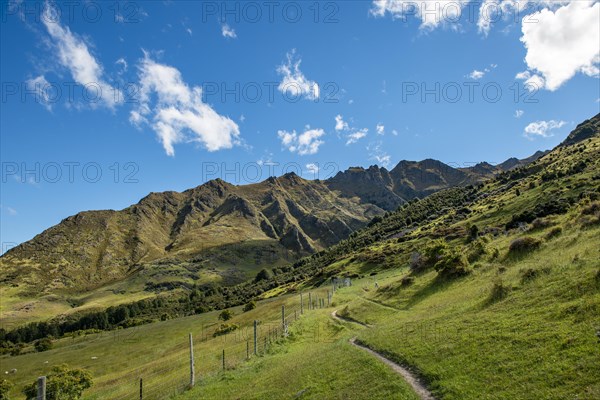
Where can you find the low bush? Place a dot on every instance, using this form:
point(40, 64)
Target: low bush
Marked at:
point(226, 315)
point(476, 250)
point(407, 281)
point(529, 274)
point(499, 291)
point(249, 306)
point(43, 344)
point(524, 245)
point(554, 232)
point(224, 329)
point(453, 263)
point(540, 223)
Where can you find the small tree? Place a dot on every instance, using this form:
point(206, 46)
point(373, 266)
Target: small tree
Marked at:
point(263, 275)
point(226, 315)
point(473, 232)
point(43, 344)
point(62, 383)
point(250, 306)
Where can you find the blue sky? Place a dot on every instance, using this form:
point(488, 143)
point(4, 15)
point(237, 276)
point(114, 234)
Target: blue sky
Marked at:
point(214, 89)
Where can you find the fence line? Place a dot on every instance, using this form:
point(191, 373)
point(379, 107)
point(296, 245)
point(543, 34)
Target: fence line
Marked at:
point(181, 369)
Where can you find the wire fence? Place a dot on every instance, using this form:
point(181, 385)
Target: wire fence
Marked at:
point(204, 353)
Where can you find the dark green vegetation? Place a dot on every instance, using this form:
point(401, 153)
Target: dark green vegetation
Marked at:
point(489, 290)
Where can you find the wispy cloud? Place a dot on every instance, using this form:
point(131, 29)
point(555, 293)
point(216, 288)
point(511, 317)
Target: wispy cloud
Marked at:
point(40, 87)
point(73, 53)
point(352, 135)
point(377, 153)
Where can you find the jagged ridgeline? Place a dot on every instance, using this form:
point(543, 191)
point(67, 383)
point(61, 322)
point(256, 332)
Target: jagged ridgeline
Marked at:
point(219, 234)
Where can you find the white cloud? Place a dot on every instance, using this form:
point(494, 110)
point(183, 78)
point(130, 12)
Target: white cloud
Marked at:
point(305, 143)
point(340, 124)
point(542, 128)
point(355, 136)
point(73, 53)
point(188, 30)
point(394, 132)
point(378, 154)
point(176, 111)
point(312, 168)
point(121, 61)
point(228, 31)
point(40, 87)
point(431, 13)
point(476, 74)
point(519, 113)
point(266, 159)
point(562, 43)
point(293, 80)
point(380, 128)
point(533, 82)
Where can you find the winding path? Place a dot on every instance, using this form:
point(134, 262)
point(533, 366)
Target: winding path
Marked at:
point(408, 376)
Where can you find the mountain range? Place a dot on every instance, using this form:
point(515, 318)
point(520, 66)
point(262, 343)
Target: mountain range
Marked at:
point(263, 224)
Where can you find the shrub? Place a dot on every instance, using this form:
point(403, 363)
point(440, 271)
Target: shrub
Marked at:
point(226, 315)
point(524, 245)
point(43, 344)
point(540, 223)
point(554, 232)
point(499, 291)
point(224, 329)
point(263, 275)
point(16, 349)
point(5, 387)
point(529, 274)
point(476, 250)
point(417, 262)
point(473, 232)
point(452, 263)
point(62, 383)
point(407, 281)
point(250, 306)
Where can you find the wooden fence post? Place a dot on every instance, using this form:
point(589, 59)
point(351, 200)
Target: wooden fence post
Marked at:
point(192, 367)
point(301, 305)
point(309, 301)
point(247, 349)
point(255, 339)
point(223, 359)
point(41, 388)
point(141, 389)
point(283, 327)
